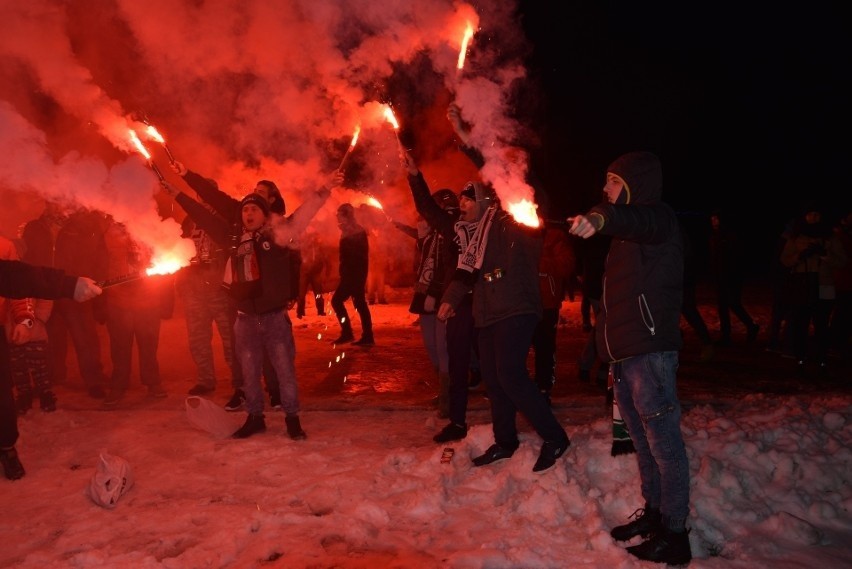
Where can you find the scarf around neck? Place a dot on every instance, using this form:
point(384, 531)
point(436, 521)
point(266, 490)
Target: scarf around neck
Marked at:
point(474, 252)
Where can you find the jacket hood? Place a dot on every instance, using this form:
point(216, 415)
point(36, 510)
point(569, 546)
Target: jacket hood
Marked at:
point(642, 174)
point(483, 194)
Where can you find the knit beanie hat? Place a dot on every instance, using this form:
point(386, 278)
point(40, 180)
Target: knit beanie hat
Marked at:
point(446, 199)
point(256, 199)
point(469, 191)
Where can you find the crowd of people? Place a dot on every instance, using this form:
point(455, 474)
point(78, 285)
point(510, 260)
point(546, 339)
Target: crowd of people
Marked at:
point(487, 290)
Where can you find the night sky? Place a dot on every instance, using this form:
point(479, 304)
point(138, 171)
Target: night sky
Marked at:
point(742, 105)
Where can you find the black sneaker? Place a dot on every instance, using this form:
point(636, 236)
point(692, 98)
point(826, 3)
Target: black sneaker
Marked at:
point(493, 454)
point(24, 403)
point(47, 401)
point(12, 467)
point(451, 432)
point(665, 546)
point(647, 521)
point(236, 402)
point(254, 424)
point(550, 451)
point(201, 390)
point(294, 428)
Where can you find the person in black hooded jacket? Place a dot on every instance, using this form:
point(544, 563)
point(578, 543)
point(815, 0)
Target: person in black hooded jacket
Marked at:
point(638, 332)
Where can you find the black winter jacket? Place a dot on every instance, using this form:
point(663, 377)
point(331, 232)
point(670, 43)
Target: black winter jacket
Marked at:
point(643, 278)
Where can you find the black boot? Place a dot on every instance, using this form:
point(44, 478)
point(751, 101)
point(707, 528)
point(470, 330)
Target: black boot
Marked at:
point(366, 340)
point(294, 428)
point(452, 432)
point(647, 522)
point(12, 467)
point(346, 334)
point(666, 546)
point(254, 424)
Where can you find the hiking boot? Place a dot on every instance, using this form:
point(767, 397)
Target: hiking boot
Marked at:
point(452, 432)
point(294, 428)
point(550, 451)
point(494, 453)
point(666, 546)
point(47, 401)
point(254, 424)
point(24, 403)
point(12, 467)
point(236, 402)
point(114, 396)
point(647, 521)
point(201, 390)
point(365, 341)
point(157, 392)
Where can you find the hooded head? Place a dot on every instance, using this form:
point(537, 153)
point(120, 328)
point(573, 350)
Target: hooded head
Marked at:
point(474, 199)
point(270, 192)
point(641, 176)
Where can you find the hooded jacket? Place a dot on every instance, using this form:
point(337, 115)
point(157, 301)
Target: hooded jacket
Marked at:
point(643, 276)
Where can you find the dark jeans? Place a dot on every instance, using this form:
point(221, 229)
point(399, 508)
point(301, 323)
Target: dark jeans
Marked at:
point(461, 334)
point(503, 350)
point(645, 390)
point(269, 334)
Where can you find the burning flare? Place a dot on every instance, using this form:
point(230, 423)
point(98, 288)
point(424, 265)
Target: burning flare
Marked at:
point(351, 146)
point(523, 212)
point(134, 138)
point(155, 135)
point(468, 35)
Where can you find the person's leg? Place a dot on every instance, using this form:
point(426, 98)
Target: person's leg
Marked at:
point(360, 303)
point(459, 345)
point(337, 304)
point(646, 389)
point(20, 377)
point(81, 326)
point(57, 333)
point(119, 325)
point(147, 327)
point(724, 311)
point(428, 332)
point(198, 314)
point(249, 341)
point(544, 345)
point(502, 410)
point(277, 334)
point(511, 339)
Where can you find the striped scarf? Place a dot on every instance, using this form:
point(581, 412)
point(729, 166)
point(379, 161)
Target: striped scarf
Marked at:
point(473, 251)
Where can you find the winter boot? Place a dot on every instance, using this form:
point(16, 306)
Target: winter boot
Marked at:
point(294, 428)
point(12, 467)
point(254, 424)
point(647, 521)
point(666, 546)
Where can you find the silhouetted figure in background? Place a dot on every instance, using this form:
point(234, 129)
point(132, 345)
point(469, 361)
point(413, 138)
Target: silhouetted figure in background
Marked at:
point(315, 257)
point(593, 253)
point(354, 265)
point(689, 310)
point(840, 328)
point(726, 262)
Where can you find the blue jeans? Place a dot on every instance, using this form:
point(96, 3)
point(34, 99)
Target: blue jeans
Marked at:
point(503, 350)
point(272, 332)
point(434, 334)
point(645, 390)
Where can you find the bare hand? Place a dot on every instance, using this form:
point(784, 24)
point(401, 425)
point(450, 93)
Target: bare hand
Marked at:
point(178, 168)
point(408, 161)
point(445, 311)
point(86, 289)
point(581, 226)
point(454, 116)
point(336, 179)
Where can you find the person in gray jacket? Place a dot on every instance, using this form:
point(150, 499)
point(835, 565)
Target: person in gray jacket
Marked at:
point(500, 264)
point(638, 332)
